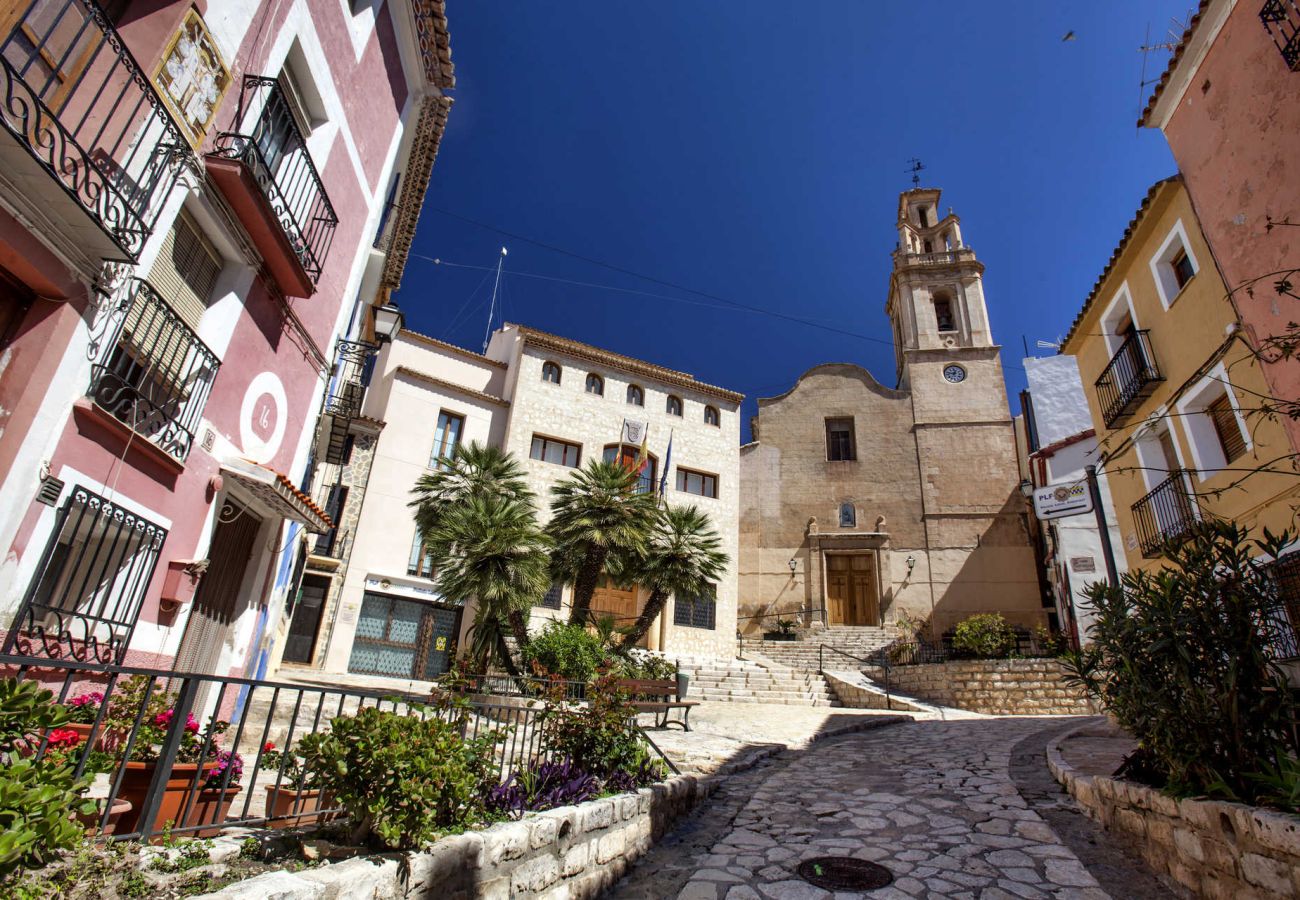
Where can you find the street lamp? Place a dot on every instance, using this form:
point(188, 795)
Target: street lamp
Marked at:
point(911, 562)
point(388, 322)
point(794, 564)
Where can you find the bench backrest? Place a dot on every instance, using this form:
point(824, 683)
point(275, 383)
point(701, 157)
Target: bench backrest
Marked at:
point(648, 687)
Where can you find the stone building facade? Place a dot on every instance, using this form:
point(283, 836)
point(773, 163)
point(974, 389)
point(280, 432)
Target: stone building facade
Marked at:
point(861, 502)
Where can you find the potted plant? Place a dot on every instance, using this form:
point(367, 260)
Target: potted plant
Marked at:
point(199, 755)
point(289, 799)
point(82, 712)
point(64, 747)
point(211, 804)
point(784, 631)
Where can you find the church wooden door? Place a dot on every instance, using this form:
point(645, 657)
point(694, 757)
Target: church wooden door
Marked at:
point(851, 589)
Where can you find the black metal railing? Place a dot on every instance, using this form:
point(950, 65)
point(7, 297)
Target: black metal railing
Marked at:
point(1282, 623)
point(77, 100)
point(1281, 19)
point(237, 768)
point(273, 148)
point(1165, 514)
point(154, 374)
point(1128, 378)
point(354, 362)
point(512, 686)
point(85, 597)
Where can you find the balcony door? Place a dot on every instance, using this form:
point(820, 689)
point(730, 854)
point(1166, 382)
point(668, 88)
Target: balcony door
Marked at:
point(49, 44)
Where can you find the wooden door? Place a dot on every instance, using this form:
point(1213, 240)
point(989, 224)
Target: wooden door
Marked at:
point(615, 600)
point(839, 590)
point(866, 607)
point(851, 589)
point(215, 601)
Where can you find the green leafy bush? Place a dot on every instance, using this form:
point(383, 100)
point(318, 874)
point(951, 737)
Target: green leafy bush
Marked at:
point(570, 652)
point(986, 636)
point(1181, 659)
point(37, 798)
point(402, 779)
point(600, 737)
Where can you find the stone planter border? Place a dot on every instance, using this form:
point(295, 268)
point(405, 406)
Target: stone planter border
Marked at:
point(1213, 848)
point(1000, 687)
point(572, 852)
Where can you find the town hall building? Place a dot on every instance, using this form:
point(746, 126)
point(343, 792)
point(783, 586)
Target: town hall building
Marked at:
point(861, 502)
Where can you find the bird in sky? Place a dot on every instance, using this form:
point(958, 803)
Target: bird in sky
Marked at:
point(1069, 36)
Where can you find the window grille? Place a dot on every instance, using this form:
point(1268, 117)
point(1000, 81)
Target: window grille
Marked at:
point(85, 598)
point(696, 612)
point(1281, 20)
point(553, 596)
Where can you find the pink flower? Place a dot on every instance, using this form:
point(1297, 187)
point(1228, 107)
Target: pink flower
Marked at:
point(191, 723)
point(64, 737)
point(163, 719)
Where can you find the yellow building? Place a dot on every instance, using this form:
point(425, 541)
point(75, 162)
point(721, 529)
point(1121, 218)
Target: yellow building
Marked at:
point(1173, 389)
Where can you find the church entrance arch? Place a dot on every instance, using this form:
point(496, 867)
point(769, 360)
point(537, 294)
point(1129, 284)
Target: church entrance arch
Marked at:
point(851, 595)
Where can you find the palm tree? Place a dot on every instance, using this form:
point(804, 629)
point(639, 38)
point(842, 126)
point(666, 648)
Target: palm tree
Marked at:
point(490, 548)
point(472, 470)
point(684, 558)
point(596, 514)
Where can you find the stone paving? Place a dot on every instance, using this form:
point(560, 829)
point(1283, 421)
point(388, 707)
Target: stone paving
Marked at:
point(938, 803)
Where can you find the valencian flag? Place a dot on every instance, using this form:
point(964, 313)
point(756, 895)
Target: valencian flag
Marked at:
point(668, 461)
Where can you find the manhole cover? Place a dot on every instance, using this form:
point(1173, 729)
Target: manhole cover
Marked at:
point(844, 873)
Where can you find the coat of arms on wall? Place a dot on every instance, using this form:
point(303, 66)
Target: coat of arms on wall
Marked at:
point(192, 77)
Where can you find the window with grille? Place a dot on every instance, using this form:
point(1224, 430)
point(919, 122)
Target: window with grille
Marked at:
point(1284, 621)
point(551, 450)
point(446, 438)
point(839, 440)
point(943, 313)
point(699, 483)
point(551, 599)
point(696, 612)
point(1227, 428)
point(630, 457)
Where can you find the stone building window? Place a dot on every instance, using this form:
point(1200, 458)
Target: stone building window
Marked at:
point(674, 405)
point(711, 416)
point(420, 563)
point(446, 438)
point(551, 450)
point(553, 596)
point(551, 372)
point(839, 440)
point(701, 484)
point(595, 385)
point(635, 395)
point(848, 515)
point(696, 612)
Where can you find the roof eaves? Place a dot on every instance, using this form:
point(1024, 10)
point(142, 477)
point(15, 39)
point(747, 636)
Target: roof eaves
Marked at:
point(1174, 60)
point(435, 42)
point(429, 130)
point(1118, 252)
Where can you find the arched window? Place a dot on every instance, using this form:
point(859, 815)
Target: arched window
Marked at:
point(923, 214)
point(928, 247)
point(943, 313)
point(551, 372)
point(595, 384)
point(848, 515)
point(635, 395)
point(674, 405)
point(711, 416)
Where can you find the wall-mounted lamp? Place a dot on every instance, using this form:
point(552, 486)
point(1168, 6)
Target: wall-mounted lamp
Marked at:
point(388, 322)
point(1027, 489)
point(794, 565)
point(911, 562)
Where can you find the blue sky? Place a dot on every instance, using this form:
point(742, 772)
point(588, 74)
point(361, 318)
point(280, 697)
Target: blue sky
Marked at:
point(754, 151)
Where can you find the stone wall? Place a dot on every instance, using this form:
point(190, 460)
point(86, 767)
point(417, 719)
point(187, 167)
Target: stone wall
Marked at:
point(572, 852)
point(1006, 687)
point(1212, 848)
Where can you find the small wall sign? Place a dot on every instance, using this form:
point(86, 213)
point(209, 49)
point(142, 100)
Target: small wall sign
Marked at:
point(1082, 564)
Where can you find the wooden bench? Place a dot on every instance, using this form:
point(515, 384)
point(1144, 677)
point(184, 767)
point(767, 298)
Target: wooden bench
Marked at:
point(660, 698)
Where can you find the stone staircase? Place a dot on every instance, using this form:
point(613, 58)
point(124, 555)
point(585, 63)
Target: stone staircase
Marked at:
point(747, 681)
point(802, 655)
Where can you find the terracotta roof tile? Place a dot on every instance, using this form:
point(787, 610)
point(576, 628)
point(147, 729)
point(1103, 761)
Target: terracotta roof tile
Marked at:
point(1173, 62)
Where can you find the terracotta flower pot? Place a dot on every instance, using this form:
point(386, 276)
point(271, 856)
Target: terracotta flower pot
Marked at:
point(91, 820)
point(135, 785)
point(211, 806)
point(287, 807)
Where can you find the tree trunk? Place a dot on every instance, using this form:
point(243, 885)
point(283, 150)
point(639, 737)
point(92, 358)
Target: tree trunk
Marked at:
point(503, 655)
point(584, 586)
point(654, 605)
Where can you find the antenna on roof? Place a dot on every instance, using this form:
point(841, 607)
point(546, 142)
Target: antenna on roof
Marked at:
point(915, 167)
point(492, 307)
point(1173, 37)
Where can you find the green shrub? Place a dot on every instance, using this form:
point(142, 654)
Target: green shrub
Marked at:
point(986, 636)
point(645, 667)
point(402, 779)
point(37, 799)
point(566, 651)
point(600, 738)
point(1181, 658)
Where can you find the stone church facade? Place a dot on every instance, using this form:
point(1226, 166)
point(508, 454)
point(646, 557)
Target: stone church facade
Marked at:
point(860, 502)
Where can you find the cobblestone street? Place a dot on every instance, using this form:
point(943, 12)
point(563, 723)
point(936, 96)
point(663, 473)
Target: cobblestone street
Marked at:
point(960, 808)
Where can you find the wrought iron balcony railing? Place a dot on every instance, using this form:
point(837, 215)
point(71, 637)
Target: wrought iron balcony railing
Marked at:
point(354, 361)
point(154, 374)
point(1165, 514)
point(1128, 379)
point(1281, 19)
point(1282, 623)
point(274, 150)
point(75, 98)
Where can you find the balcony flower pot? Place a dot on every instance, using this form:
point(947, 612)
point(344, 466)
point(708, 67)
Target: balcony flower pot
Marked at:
point(211, 807)
point(779, 636)
point(181, 780)
point(288, 807)
point(91, 820)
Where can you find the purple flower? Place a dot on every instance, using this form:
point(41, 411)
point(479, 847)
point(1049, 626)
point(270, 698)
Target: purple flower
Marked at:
point(94, 697)
point(226, 759)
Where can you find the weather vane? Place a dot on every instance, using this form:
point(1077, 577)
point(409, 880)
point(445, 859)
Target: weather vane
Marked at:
point(914, 166)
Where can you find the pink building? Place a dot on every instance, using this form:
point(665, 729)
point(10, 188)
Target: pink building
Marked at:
point(195, 218)
point(1229, 105)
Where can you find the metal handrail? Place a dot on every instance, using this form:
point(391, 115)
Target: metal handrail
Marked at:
point(884, 663)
